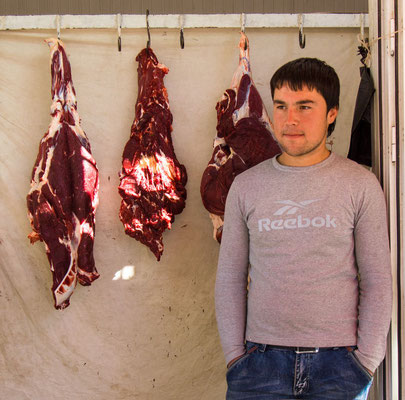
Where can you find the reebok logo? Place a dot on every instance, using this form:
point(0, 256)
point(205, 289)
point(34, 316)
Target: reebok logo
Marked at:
point(289, 208)
point(294, 223)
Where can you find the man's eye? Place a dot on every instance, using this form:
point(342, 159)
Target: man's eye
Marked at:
point(305, 107)
point(279, 107)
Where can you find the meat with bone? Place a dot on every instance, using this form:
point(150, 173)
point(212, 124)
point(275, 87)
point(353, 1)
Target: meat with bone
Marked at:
point(243, 138)
point(152, 181)
point(64, 188)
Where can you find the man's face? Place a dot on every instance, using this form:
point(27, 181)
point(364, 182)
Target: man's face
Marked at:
point(300, 124)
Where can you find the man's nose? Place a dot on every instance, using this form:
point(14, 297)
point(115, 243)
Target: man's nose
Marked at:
point(292, 117)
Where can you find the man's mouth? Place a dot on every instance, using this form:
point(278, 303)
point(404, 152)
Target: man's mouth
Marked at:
point(293, 135)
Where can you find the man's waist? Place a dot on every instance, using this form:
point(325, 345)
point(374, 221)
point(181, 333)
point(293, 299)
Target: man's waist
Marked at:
point(297, 349)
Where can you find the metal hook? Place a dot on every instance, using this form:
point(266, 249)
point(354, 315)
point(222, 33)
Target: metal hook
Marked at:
point(119, 22)
point(364, 48)
point(301, 39)
point(147, 27)
point(301, 36)
point(181, 31)
point(362, 27)
point(58, 26)
point(242, 26)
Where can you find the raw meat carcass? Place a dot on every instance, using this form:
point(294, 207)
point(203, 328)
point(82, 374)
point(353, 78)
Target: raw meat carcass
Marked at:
point(243, 138)
point(152, 181)
point(64, 188)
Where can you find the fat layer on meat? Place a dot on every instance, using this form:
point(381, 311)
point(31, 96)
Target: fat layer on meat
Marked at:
point(63, 197)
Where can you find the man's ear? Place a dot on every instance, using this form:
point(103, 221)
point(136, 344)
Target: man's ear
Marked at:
point(332, 114)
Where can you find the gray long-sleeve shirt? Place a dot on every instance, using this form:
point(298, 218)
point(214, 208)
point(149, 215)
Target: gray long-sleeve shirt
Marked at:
point(316, 241)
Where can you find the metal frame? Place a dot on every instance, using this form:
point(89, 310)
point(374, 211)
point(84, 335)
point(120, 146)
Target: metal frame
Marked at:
point(387, 70)
point(316, 20)
point(400, 12)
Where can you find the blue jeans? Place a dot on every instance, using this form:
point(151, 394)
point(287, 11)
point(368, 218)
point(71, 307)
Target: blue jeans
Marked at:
point(266, 373)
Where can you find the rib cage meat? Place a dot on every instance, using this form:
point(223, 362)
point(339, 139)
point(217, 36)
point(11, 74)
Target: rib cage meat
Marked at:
point(152, 181)
point(243, 138)
point(63, 197)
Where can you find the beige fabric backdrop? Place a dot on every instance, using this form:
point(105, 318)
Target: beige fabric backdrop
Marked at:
point(151, 335)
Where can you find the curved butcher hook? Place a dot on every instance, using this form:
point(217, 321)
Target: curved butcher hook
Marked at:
point(364, 48)
point(243, 24)
point(58, 26)
point(181, 31)
point(119, 22)
point(147, 27)
point(301, 36)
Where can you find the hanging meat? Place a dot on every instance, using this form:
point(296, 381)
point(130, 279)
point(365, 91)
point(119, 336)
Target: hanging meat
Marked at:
point(64, 188)
point(152, 181)
point(243, 138)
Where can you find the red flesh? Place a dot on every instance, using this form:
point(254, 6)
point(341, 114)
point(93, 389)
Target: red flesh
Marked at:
point(64, 188)
point(243, 138)
point(152, 181)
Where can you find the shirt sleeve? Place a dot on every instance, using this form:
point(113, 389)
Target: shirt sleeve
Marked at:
point(231, 280)
point(375, 280)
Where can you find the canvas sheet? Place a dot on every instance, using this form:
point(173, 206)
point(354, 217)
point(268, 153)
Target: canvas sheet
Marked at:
point(143, 330)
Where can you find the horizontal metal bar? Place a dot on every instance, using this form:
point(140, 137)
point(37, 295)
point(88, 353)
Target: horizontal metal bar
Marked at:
point(18, 22)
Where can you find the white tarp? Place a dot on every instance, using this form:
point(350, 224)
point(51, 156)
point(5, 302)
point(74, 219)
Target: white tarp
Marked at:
point(143, 330)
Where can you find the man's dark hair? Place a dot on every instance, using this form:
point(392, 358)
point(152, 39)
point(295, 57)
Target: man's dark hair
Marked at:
point(313, 73)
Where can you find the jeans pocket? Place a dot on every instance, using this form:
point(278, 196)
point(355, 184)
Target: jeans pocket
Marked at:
point(359, 365)
point(244, 357)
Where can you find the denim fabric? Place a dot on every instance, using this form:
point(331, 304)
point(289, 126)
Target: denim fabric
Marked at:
point(265, 373)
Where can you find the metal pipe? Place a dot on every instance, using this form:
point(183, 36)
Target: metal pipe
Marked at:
point(18, 22)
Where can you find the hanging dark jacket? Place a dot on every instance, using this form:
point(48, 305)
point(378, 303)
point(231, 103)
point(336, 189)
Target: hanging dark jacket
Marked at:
point(360, 142)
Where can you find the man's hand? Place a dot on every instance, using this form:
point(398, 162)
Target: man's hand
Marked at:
point(234, 360)
point(351, 350)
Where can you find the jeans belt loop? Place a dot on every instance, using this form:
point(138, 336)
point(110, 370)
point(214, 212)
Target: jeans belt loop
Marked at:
point(306, 350)
point(262, 348)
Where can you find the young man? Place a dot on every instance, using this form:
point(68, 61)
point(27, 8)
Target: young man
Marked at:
point(309, 228)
